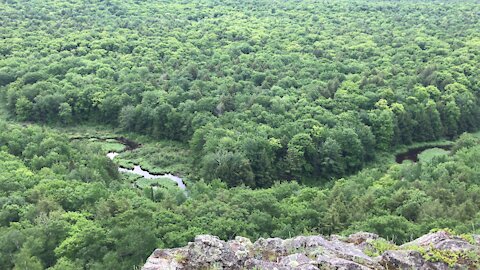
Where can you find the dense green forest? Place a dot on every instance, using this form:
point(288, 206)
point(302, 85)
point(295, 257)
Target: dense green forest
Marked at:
point(282, 115)
point(63, 205)
point(261, 90)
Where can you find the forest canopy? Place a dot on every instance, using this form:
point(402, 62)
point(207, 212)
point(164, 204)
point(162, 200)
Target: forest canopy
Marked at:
point(64, 206)
point(281, 116)
point(260, 90)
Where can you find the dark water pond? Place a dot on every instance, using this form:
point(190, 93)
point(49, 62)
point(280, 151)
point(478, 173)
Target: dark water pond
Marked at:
point(412, 154)
point(129, 144)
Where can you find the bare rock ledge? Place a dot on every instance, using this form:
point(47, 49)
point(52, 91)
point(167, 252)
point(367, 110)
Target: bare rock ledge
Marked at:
point(362, 251)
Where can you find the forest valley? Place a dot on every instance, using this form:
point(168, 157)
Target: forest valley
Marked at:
point(282, 118)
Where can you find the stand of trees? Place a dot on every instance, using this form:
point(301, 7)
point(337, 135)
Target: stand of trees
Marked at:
point(63, 205)
point(261, 90)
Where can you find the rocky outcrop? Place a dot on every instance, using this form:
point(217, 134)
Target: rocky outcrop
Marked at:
point(362, 251)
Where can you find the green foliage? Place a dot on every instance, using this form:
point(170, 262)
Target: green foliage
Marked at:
point(468, 237)
point(378, 246)
point(110, 146)
point(25, 261)
point(431, 153)
point(76, 213)
point(86, 240)
point(254, 93)
point(447, 256)
point(228, 77)
point(230, 167)
point(158, 157)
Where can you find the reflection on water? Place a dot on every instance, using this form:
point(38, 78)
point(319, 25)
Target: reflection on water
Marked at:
point(112, 155)
point(139, 171)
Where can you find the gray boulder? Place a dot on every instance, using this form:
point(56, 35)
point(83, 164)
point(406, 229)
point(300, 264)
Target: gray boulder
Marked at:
point(165, 259)
point(339, 264)
point(298, 261)
point(361, 237)
point(257, 264)
point(402, 259)
point(270, 249)
point(317, 252)
point(317, 246)
point(209, 252)
point(442, 240)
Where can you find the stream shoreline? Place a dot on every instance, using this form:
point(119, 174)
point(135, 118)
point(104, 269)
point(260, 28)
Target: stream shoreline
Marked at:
point(413, 153)
point(137, 169)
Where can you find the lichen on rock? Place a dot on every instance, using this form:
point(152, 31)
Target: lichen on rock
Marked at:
point(439, 250)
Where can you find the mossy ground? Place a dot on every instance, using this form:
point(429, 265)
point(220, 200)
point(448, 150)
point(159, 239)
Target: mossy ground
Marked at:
point(109, 145)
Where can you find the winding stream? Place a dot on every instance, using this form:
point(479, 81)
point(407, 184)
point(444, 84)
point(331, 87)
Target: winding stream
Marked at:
point(137, 170)
point(147, 175)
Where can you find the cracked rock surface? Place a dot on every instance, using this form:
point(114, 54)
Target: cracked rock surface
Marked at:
point(439, 250)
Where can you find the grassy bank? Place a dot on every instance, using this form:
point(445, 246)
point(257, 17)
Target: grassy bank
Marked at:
point(158, 158)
